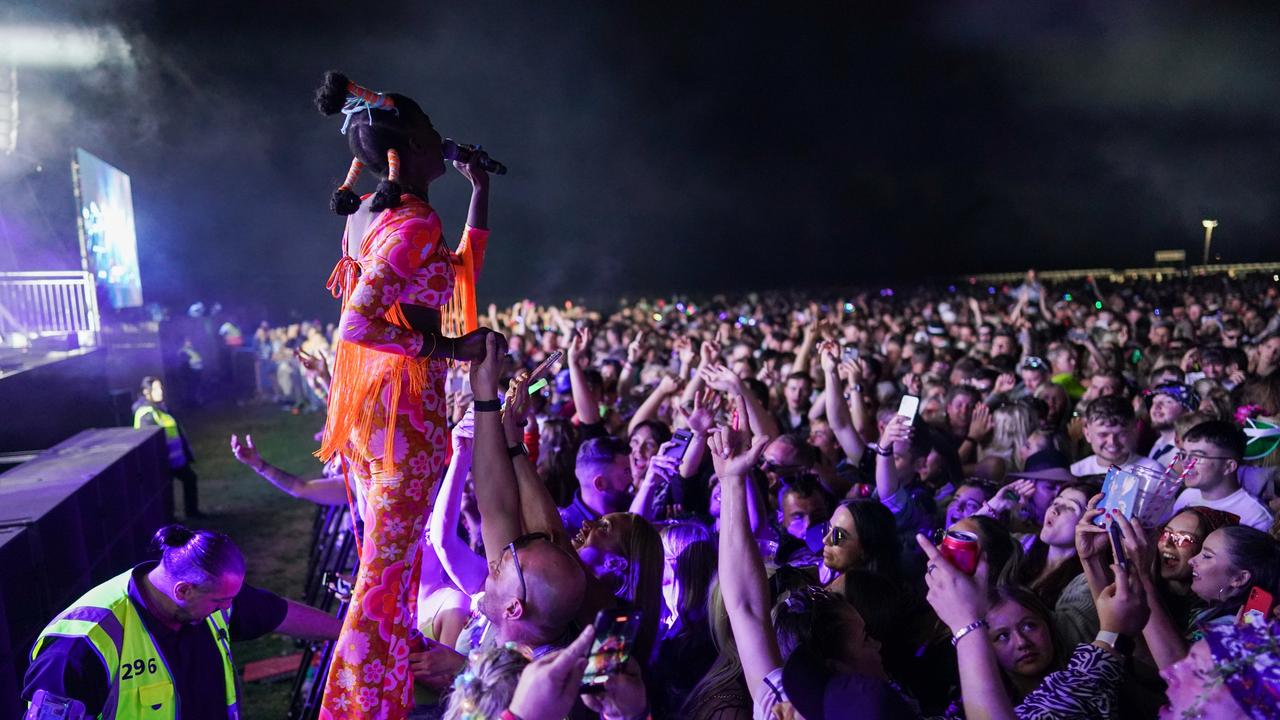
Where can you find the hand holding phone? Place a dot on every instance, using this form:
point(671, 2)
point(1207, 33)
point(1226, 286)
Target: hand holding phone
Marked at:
point(908, 408)
point(615, 639)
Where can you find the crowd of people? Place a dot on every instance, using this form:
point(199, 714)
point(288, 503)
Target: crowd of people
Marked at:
point(878, 504)
point(791, 527)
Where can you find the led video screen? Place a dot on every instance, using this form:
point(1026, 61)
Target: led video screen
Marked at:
point(108, 242)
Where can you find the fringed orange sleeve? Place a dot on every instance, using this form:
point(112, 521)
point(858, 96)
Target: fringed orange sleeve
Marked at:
point(461, 314)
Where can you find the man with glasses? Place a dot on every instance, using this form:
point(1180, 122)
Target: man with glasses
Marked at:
point(536, 584)
point(1208, 461)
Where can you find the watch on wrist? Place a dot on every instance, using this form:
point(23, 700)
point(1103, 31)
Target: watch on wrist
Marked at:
point(1122, 644)
point(882, 452)
point(517, 450)
point(488, 405)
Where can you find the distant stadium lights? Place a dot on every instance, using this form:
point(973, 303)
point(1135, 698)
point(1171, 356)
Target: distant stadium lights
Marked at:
point(61, 46)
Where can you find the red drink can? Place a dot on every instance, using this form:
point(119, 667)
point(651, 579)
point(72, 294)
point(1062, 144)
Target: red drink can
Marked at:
point(961, 548)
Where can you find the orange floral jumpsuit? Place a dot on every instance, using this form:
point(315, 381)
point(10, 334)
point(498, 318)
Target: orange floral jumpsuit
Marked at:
point(386, 417)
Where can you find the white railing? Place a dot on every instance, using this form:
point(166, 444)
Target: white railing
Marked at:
point(41, 304)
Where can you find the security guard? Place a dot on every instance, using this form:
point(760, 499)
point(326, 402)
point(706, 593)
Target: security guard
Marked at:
point(150, 411)
point(155, 642)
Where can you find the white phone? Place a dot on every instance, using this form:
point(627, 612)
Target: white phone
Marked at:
point(908, 408)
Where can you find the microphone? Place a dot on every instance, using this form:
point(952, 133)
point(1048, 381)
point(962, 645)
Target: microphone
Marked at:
point(464, 153)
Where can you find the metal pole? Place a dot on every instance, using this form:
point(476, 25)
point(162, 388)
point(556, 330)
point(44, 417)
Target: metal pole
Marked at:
point(1209, 225)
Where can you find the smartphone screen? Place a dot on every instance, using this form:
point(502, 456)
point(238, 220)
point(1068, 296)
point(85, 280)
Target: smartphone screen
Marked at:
point(908, 408)
point(534, 388)
point(545, 365)
point(850, 353)
point(679, 444)
point(615, 636)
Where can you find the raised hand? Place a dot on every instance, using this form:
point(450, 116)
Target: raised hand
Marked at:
point(981, 423)
point(897, 430)
point(486, 371)
point(471, 347)
point(705, 406)
point(661, 467)
point(829, 355)
point(315, 363)
point(1122, 605)
point(1137, 545)
point(669, 385)
point(1004, 383)
point(578, 347)
point(623, 696)
point(1091, 540)
point(710, 353)
point(635, 350)
point(549, 685)
point(685, 351)
point(722, 379)
point(731, 455)
point(474, 171)
point(246, 453)
point(1022, 490)
point(957, 598)
point(516, 409)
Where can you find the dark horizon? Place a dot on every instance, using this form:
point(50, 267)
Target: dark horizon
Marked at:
point(663, 149)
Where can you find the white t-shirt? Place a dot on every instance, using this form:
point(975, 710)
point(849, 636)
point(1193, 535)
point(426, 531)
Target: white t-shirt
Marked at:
point(1093, 466)
point(1252, 513)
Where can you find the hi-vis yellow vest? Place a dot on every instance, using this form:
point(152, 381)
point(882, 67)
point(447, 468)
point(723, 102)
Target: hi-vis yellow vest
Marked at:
point(140, 686)
point(177, 457)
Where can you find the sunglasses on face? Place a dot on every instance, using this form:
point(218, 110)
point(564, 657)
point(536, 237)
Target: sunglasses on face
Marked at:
point(1179, 539)
point(514, 546)
point(833, 535)
point(774, 468)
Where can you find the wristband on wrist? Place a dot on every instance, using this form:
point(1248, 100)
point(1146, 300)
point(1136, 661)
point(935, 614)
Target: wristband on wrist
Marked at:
point(882, 452)
point(517, 450)
point(488, 405)
point(959, 634)
point(970, 439)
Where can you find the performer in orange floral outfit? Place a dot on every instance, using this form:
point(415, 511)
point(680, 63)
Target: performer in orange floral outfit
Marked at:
point(386, 405)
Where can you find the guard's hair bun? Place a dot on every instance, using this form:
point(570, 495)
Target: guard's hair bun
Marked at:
point(332, 93)
point(173, 536)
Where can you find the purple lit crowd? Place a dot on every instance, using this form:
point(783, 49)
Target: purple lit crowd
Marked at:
point(744, 473)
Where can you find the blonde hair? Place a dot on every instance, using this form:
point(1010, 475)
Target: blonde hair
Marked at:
point(485, 689)
point(1013, 423)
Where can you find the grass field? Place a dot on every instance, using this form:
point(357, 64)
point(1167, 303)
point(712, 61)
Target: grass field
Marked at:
point(271, 528)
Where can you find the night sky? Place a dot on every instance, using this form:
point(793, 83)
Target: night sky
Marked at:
point(668, 147)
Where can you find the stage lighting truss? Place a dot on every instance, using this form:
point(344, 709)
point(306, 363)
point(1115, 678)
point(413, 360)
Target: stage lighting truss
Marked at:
point(8, 108)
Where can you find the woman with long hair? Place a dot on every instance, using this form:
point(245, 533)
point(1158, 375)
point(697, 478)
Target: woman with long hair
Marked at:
point(722, 692)
point(386, 403)
point(1051, 561)
point(861, 536)
point(687, 649)
point(624, 551)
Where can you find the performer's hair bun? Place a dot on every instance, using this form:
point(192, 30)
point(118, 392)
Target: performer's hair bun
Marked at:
point(386, 196)
point(344, 201)
point(332, 93)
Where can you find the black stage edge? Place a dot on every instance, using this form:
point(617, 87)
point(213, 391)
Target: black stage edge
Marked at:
point(75, 515)
point(54, 397)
